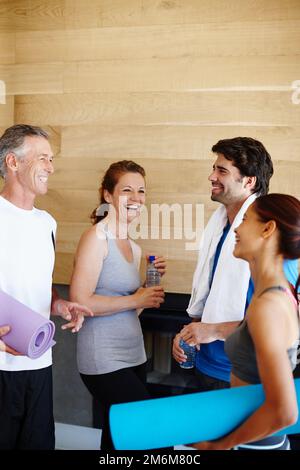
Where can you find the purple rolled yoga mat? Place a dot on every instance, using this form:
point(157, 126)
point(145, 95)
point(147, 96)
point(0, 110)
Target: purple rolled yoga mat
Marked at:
point(31, 334)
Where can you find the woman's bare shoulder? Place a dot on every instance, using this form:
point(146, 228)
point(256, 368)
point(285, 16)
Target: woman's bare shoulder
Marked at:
point(94, 240)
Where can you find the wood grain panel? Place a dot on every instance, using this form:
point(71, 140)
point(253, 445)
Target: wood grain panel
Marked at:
point(2, 129)
point(193, 206)
point(245, 38)
point(54, 138)
point(286, 178)
point(181, 74)
point(147, 12)
point(211, 74)
point(68, 236)
point(3, 93)
point(232, 108)
point(172, 249)
point(7, 48)
point(56, 14)
point(33, 79)
point(33, 46)
point(31, 15)
point(69, 205)
point(7, 112)
point(63, 268)
point(156, 142)
point(80, 14)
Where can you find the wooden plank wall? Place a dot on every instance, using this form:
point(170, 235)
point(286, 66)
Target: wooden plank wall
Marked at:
point(158, 81)
point(7, 59)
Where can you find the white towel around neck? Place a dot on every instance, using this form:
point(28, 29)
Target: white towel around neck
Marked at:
point(225, 300)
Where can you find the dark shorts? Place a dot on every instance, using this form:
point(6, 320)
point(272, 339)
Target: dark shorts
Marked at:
point(26, 410)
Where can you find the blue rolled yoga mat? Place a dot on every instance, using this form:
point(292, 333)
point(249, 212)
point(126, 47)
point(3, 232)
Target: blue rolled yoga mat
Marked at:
point(184, 419)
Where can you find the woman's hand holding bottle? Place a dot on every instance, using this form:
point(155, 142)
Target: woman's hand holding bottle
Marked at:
point(149, 297)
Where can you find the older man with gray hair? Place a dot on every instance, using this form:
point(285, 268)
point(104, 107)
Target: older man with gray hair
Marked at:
point(27, 240)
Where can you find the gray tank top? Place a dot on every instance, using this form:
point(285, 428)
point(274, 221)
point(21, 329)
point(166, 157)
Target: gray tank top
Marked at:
point(108, 343)
point(239, 347)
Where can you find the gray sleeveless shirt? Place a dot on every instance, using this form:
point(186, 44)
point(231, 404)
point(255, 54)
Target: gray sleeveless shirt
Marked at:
point(240, 349)
point(107, 343)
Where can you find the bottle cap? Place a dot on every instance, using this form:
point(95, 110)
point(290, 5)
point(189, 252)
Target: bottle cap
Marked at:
point(151, 258)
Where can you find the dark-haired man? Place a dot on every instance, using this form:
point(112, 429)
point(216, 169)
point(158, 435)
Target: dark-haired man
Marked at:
point(222, 288)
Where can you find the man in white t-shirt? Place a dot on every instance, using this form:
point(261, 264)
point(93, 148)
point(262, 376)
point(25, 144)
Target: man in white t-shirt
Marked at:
point(27, 239)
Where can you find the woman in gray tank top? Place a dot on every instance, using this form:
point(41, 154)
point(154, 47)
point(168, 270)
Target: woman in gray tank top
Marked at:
point(110, 348)
point(263, 349)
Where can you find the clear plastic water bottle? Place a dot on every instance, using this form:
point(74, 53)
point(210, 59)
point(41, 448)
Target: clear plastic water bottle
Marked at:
point(152, 274)
point(190, 352)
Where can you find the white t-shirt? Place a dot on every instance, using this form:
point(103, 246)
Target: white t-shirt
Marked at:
point(26, 266)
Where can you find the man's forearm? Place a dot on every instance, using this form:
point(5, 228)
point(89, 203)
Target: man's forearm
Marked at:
point(54, 300)
point(222, 330)
point(201, 332)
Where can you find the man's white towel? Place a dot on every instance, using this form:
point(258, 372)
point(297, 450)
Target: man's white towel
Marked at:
point(225, 300)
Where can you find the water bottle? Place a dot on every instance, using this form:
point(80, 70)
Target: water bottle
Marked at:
point(190, 352)
point(152, 274)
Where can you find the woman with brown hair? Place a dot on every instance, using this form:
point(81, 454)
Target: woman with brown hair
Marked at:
point(263, 349)
point(110, 349)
